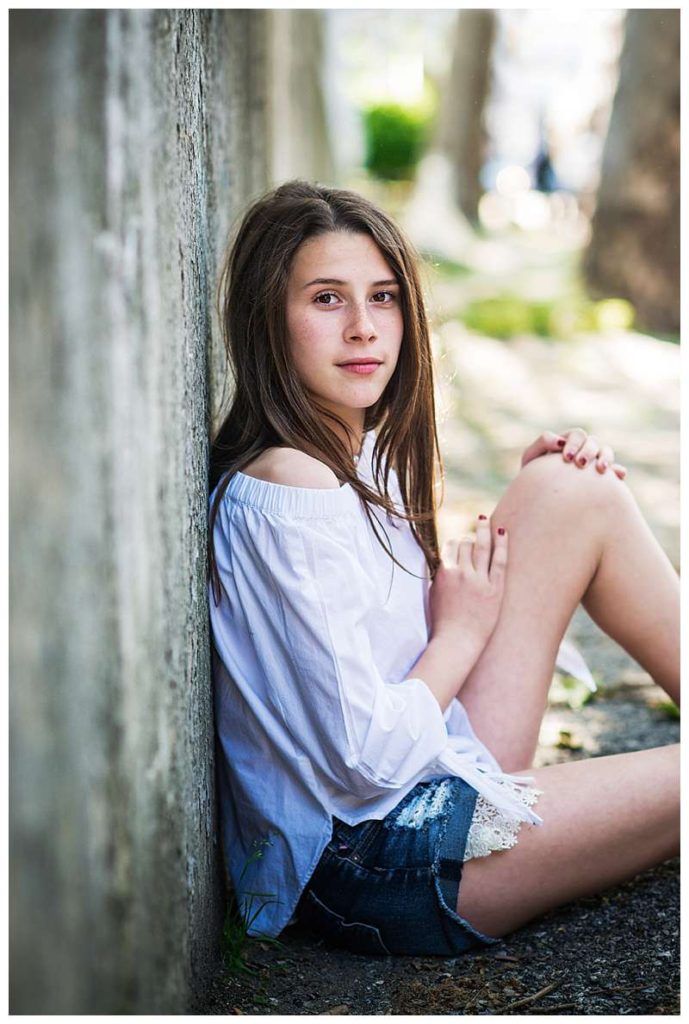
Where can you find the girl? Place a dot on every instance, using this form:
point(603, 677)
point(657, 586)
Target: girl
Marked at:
point(378, 702)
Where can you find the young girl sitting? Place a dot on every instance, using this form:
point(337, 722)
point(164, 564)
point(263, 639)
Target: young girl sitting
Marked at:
point(378, 703)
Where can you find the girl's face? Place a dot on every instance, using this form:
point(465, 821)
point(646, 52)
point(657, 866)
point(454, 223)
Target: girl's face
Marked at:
point(343, 304)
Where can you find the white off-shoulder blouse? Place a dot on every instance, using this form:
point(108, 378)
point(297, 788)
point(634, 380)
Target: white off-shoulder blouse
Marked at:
point(318, 709)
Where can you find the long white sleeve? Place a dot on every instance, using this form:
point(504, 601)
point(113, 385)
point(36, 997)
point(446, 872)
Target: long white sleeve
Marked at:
point(306, 597)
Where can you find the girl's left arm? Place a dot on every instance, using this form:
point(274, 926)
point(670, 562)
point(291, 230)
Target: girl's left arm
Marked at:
point(577, 447)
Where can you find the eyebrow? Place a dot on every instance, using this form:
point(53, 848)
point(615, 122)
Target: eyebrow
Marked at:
point(335, 280)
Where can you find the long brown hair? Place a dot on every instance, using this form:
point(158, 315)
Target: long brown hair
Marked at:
point(271, 407)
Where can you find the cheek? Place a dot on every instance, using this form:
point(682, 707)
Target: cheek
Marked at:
point(398, 323)
point(307, 344)
point(304, 336)
point(399, 331)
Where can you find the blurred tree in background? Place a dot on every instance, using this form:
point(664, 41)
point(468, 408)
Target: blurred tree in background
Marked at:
point(634, 247)
point(555, 147)
point(298, 142)
point(461, 130)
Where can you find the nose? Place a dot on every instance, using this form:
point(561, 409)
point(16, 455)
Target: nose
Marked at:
point(360, 326)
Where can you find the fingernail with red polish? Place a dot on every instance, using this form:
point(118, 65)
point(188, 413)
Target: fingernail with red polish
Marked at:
point(561, 443)
point(482, 517)
point(501, 530)
point(569, 456)
point(582, 461)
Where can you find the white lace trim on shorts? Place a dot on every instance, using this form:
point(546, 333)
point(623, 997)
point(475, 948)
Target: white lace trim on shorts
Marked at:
point(491, 829)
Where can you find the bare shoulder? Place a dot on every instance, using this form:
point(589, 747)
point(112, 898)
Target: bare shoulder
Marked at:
point(291, 468)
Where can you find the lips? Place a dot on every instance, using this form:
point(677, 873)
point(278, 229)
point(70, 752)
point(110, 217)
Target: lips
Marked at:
point(364, 369)
point(361, 362)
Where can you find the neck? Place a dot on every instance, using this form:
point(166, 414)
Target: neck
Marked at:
point(352, 438)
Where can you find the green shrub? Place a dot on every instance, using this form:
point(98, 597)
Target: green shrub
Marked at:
point(541, 317)
point(499, 317)
point(395, 138)
point(504, 316)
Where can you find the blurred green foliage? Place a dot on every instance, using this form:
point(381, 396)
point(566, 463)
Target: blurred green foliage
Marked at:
point(565, 689)
point(504, 316)
point(446, 266)
point(396, 136)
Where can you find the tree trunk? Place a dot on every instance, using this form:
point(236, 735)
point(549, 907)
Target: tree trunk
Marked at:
point(461, 130)
point(634, 247)
point(298, 133)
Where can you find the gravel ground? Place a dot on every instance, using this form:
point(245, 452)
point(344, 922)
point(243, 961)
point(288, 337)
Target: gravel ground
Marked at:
point(616, 953)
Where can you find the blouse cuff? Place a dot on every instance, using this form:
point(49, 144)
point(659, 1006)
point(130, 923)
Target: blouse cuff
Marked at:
point(409, 734)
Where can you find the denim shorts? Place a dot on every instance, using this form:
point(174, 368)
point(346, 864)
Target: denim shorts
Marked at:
point(390, 886)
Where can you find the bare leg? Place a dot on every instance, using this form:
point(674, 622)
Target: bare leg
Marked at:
point(575, 536)
point(605, 820)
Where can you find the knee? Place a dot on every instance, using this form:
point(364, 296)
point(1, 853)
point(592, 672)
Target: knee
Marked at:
point(554, 485)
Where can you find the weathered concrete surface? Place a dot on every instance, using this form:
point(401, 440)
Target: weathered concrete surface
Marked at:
point(135, 138)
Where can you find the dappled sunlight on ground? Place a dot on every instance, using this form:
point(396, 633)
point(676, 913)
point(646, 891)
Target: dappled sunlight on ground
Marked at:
point(496, 397)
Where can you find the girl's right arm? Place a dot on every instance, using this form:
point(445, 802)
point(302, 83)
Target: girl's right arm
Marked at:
point(465, 599)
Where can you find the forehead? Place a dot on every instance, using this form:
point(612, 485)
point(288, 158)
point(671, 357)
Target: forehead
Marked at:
point(337, 254)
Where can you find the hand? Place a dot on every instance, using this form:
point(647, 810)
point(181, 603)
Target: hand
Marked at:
point(467, 589)
point(576, 445)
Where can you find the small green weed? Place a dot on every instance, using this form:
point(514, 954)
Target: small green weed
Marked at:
point(667, 708)
point(238, 923)
point(567, 740)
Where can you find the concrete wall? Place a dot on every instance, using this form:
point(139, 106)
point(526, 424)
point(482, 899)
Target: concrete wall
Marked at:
point(135, 138)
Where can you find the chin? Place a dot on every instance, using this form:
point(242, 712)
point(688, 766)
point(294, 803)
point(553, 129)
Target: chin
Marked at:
point(365, 402)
